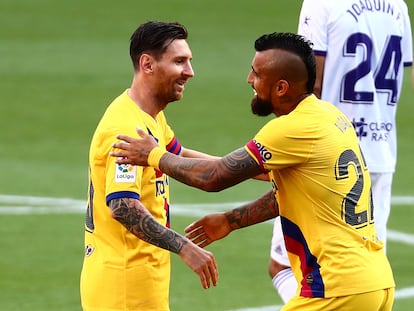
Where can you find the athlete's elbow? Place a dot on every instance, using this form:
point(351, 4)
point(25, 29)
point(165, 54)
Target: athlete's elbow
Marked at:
point(211, 186)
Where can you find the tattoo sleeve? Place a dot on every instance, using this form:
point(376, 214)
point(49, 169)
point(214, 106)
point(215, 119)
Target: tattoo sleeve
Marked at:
point(211, 174)
point(136, 218)
point(254, 212)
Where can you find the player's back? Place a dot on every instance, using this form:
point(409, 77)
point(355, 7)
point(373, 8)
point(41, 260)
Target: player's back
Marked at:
point(324, 196)
point(366, 45)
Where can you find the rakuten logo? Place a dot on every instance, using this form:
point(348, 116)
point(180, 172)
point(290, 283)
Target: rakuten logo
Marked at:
point(264, 153)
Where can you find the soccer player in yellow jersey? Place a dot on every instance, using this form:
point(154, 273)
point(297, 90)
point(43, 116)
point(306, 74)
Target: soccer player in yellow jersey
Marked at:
point(127, 236)
point(361, 49)
point(321, 186)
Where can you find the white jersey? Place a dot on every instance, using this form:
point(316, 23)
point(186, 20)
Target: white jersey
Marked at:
point(367, 43)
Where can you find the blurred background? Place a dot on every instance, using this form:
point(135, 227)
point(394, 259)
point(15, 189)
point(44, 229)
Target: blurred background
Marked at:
point(62, 63)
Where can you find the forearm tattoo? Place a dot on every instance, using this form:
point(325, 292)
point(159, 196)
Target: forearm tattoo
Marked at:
point(211, 175)
point(136, 218)
point(254, 212)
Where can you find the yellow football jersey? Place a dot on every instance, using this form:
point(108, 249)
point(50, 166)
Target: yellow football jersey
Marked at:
point(121, 271)
point(324, 194)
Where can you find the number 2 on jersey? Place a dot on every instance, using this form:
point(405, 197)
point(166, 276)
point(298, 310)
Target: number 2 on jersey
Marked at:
point(349, 214)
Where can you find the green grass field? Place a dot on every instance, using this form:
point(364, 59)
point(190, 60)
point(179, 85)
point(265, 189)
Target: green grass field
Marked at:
point(61, 63)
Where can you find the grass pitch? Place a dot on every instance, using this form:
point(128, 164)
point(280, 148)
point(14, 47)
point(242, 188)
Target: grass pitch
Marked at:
point(62, 63)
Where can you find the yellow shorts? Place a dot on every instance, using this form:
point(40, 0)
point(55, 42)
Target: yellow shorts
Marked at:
point(380, 300)
point(106, 287)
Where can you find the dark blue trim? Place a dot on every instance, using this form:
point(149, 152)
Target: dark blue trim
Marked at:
point(122, 194)
point(297, 244)
point(319, 53)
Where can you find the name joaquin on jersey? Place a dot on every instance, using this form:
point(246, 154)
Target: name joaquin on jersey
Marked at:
point(359, 7)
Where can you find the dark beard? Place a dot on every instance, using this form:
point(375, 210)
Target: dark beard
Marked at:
point(260, 107)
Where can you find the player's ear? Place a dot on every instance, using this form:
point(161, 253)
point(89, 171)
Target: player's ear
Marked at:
point(281, 87)
point(146, 62)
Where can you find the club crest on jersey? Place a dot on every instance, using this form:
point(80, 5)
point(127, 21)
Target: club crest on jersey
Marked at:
point(125, 173)
point(89, 250)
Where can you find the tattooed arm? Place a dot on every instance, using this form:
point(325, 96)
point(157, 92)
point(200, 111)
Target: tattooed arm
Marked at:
point(136, 218)
point(216, 226)
point(209, 174)
point(190, 153)
point(262, 209)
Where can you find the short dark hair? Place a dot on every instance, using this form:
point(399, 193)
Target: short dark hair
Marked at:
point(154, 37)
point(295, 44)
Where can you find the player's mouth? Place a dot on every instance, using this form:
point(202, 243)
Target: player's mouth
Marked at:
point(181, 85)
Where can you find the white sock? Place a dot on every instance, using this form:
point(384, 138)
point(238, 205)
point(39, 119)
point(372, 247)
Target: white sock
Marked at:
point(285, 284)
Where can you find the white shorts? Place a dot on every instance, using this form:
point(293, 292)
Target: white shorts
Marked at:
point(381, 196)
point(278, 248)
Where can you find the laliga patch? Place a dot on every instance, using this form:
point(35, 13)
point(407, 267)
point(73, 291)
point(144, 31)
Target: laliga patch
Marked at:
point(125, 173)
